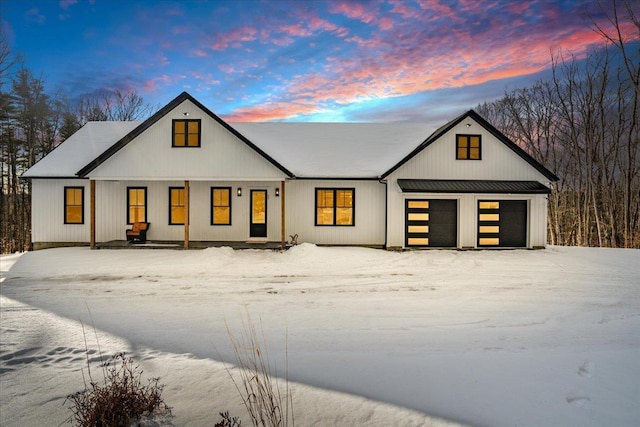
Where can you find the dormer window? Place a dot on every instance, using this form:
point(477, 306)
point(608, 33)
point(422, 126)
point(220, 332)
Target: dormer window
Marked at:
point(186, 133)
point(468, 147)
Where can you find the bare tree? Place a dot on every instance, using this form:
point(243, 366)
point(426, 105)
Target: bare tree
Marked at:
point(114, 105)
point(623, 16)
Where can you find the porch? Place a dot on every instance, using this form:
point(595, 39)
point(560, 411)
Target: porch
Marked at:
point(179, 244)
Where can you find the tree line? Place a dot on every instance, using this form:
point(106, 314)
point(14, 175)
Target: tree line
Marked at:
point(32, 123)
point(583, 124)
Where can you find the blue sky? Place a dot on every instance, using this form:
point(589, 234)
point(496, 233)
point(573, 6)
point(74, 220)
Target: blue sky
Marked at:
point(252, 60)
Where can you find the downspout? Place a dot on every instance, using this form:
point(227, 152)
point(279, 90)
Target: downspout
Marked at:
point(282, 216)
point(386, 209)
point(186, 214)
point(92, 214)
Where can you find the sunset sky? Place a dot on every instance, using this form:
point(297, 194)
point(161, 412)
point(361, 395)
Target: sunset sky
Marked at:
point(335, 61)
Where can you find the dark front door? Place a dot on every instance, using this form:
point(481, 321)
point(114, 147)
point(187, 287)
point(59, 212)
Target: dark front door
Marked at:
point(258, 225)
point(432, 223)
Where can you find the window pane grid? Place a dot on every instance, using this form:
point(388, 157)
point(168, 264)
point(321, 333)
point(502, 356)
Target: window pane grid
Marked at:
point(334, 206)
point(186, 133)
point(136, 210)
point(468, 147)
point(74, 205)
point(176, 206)
point(221, 206)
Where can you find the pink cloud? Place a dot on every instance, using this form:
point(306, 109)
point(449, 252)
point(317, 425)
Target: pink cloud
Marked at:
point(227, 69)
point(200, 53)
point(385, 23)
point(354, 11)
point(153, 84)
point(295, 30)
point(402, 8)
point(205, 78)
point(518, 8)
point(319, 24)
point(234, 38)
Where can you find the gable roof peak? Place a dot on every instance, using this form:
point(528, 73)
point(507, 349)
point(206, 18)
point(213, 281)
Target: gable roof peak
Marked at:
point(491, 129)
point(160, 114)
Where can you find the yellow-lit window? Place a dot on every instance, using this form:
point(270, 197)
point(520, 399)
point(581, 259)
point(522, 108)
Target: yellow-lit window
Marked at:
point(418, 217)
point(344, 207)
point(136, 204)
point(489, 241)
point(221, 206)
point(418, 241)
point(186, 133)
point(489, 229)
point(74, 205)
point(489, 205)
point(418, 229)
point(176, 205)
point(421, 204)
point(468, 147)
point(335, 206)
point(489, 217)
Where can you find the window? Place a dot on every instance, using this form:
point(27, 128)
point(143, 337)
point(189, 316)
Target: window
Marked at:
point(136, 204)
point(186, 133)
point(468, 147)
point(335, 206)
point(220, 205)
point(74, 205)
point(176, 205)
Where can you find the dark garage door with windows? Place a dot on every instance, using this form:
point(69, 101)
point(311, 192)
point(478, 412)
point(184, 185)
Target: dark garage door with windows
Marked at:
point(502, 223)
point(431, 223)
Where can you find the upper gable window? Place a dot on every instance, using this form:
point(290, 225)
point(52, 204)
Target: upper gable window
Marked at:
point(468, 147)
point(186, 133)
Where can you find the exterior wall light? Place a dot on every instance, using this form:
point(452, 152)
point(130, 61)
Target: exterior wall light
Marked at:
point(277, 192)
point(186, 114)
point(239, 192)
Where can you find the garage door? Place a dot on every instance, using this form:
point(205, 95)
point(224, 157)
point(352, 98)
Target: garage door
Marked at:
point(431, 223)
point(502, 223)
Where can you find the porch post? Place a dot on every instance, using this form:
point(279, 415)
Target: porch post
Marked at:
point(186, 214)
point(92, 214)
point(282, 217)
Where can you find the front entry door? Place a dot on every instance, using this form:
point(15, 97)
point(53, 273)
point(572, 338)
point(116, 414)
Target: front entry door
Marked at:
point(258, 225)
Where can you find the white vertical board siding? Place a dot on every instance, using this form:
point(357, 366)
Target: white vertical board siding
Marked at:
point(238, 231)
point(221, 156)
point(369, 213)
point(47, 212)
point(467, 216)
point(438, 160)
point(111, 208)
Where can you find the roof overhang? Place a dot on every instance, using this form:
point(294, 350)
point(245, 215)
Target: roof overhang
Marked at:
point(471, 186)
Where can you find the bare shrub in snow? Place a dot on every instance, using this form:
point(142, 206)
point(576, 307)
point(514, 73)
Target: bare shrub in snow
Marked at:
point(120, 399)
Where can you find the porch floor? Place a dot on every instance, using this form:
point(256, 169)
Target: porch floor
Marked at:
point(156, 244)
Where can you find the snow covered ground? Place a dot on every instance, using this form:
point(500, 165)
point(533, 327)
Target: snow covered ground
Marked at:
point(374, 338)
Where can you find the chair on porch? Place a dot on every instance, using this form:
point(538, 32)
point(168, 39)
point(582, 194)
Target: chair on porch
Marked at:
point(138, 232)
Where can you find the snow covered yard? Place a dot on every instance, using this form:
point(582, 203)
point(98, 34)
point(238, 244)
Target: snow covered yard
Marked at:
point(484, 338)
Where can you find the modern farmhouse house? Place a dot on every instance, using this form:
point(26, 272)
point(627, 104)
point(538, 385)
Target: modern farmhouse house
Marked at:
point(196, 178)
